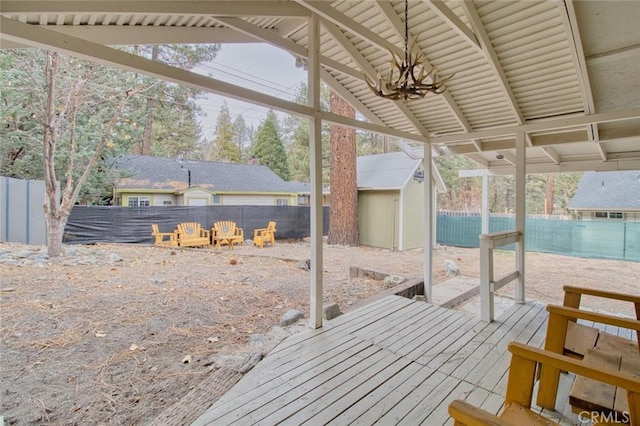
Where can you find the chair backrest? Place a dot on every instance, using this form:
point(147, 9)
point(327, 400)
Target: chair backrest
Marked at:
point(189, 229)
point(154, 229)
point(271, 227)
point(225, 227)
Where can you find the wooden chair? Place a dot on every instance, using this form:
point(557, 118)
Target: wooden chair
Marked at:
point(265, 235)
point(593, 345)
point(227, 232)
point(192, 234)
point(171, 237)
point(520, 388)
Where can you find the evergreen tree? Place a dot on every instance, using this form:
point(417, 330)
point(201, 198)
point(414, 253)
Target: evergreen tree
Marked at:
point(269, 148)
point(242, 138)
point(296, 135)
point(223, 147)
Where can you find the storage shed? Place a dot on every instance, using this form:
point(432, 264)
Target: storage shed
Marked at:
point(391, 200)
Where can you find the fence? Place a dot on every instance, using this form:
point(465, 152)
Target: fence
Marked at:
point(21, 213)
point(88, 225)
point(595, 239)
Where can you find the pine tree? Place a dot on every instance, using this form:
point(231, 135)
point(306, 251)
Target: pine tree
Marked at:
point(269, 148)
point(224, 148)
point(242, 138)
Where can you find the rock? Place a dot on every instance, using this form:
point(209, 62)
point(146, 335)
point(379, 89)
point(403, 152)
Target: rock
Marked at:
point(331, 311)
point(453, 270)
point(256, 338)
point(420, 298)
point(304, 264)
point(158, 280)
point(291, 317)
point(394, 280)
point(113, 257)
point(249, 362)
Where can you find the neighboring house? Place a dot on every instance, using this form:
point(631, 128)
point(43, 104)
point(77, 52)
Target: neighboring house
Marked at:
point(391, 200)
point(160, 181)
point(608, 196)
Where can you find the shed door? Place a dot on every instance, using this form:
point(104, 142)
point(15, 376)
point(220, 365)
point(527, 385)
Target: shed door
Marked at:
point(378, 218)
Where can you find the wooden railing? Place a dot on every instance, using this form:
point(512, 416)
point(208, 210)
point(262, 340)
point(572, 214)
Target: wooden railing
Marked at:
point(488, 285)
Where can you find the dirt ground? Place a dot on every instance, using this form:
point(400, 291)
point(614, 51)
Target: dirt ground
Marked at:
point(116, 334)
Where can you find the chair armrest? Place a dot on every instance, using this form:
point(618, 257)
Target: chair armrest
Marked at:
point(601, 293)
point(573, 313)
point(565, 363)
point(469, 415)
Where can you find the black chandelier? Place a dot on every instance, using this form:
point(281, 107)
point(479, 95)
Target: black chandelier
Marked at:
point(407, 77)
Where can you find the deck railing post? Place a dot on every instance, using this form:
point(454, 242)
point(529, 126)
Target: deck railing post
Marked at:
point(486, 278)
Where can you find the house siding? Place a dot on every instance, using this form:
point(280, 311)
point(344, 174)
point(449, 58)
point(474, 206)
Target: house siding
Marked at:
point(256, 200)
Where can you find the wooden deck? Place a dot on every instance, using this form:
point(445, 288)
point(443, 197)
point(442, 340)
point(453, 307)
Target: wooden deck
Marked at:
point(395, 361)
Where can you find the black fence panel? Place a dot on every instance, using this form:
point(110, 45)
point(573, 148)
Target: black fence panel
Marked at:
point(94, 224)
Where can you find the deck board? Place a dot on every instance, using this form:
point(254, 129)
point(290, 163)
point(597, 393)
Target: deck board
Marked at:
point(394, 361)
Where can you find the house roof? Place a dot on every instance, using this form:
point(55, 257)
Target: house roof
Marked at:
point(562, 73)
point(169, 173)
point(608, 191)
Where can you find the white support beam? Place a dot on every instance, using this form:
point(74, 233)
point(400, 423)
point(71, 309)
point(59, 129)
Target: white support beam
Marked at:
point(395, 23)
point(577, 166)
point(315, 158)
point(492, 57)
point(447, 15)
point(43, 38)
point(485, 205)
point(521, 211)
point(429, 209)
point(123, 35)
point(552, 154)
point(337, 34)
point(145, 7)
point(510, 158)
point(540, 126)
point(285, 44)
point(349, 97)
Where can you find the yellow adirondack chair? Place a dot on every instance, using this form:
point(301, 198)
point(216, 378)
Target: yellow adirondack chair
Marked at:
point(227, 232)
point(265, 235)
point(171, 237)
point(520, 389)
point(192, 234)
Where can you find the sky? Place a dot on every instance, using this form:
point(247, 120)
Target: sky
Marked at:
point(256, 66)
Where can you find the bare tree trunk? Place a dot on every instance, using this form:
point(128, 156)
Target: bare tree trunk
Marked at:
point(343, 216)
point(58, 201)
point(548, 201)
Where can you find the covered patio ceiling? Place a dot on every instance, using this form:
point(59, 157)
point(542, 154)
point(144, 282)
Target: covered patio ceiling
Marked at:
point(566, 73)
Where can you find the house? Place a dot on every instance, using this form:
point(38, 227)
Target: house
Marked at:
point(160, 181)
point(391, 200)
point(608, 196)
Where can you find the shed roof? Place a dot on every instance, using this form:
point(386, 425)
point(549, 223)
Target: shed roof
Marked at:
point(608, 191)
point(385, 171)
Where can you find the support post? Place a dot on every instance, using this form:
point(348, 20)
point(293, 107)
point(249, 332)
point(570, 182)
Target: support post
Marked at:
point(486, 278)
point(315, 156)
point(485, 204)
point(428, 222)
point(521, 207)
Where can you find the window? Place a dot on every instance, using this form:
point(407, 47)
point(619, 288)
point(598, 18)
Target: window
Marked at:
point(609, 215)
point(138, 201)
point(282, 201)
point(217, 199)
point(303, 200)
point(166, 203)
